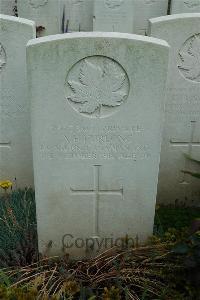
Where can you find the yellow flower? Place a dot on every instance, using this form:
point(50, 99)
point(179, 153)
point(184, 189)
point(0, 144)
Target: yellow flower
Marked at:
point(5, 184)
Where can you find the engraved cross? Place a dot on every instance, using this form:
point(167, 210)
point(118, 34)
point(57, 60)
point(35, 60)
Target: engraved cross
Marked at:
point(192, 143)
point(96, 191)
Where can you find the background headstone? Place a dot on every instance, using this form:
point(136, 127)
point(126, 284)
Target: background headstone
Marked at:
point(15, 137)
point(185, 6)
point(97, 113)
point(182, 119)
point(113, 15)
point(47, 14)
point(78, 15)
point(144, 10)
point(8, 7)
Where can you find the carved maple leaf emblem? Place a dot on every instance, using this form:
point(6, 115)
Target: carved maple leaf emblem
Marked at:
point(190, 59)
point(98, 85)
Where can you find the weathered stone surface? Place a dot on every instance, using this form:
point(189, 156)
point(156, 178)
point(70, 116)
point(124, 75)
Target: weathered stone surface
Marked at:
point(143, 10)
point(97, 113)
point(7, 7)
point(47, 14)
point(182, 118)
point(78, 15)
point(127, 15)
point(113, 15)
point(185, 6)
point(15, 138)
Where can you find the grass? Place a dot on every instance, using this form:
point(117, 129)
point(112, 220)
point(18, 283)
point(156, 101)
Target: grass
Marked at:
point(151, 272)
point(138, 273)
point(174, 217)
point(18, 235)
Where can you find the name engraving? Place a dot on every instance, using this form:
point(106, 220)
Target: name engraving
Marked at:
point(111, 142)
point(183, 103)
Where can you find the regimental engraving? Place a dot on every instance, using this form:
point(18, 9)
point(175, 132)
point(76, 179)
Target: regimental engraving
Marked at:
point(190, 144)
point(37, 3)
point(97, 192)
point(2, 57)
point(91, 143)
point(183, 103)
point(192, 3)
point(96, 86)
point(113, 4)
point(189, 58)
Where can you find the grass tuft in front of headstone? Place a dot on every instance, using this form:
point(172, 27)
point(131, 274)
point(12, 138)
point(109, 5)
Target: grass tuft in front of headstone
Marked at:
point(136, 273)
point(18, 236)
point(153, 271)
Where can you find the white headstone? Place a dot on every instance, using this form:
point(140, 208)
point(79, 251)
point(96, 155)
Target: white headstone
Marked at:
point(47, 15)
point(15, 137)
point(146, 9)
point(185, 6)
point(78, 15)
point(182, 118)
point(113, 15)
point(97, 111)
point(8, 7)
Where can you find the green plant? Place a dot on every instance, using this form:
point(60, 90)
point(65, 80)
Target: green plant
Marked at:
point(170, 216)
point(190, 248)
point(154, 271)
point(18, 235)
point(127, 274)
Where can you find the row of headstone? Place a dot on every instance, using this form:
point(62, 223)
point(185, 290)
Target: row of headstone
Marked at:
point(178, 107)
point(127, 15)
point(15, 136)
point(45, 13)
point(184, 108)
point(100, 140)
point(181, 137)
point(131, 16)
point(97, 117)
